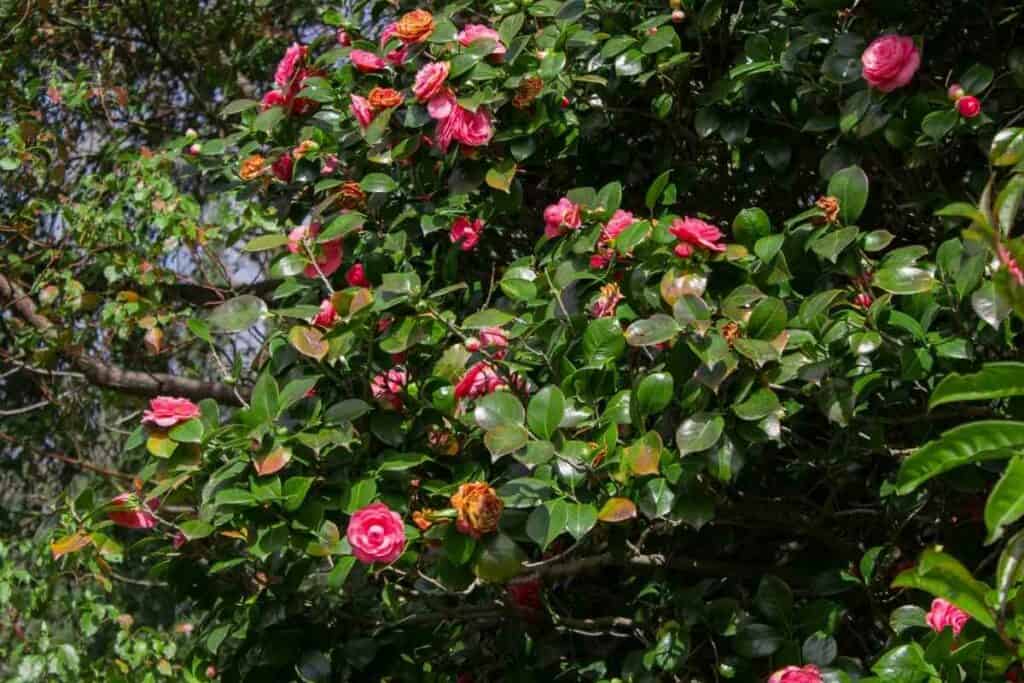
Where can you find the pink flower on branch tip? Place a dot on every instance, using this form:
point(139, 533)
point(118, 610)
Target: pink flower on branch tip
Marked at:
point(128, 512)
point(326, 316)
point(466, 234)
point(328, 254)
point(561, 217)
point(693, 232)
point(376, 533)
point(288, 67)
point(945, 614)
point(356, 276)
point(387, 388)
point(890, 62)
point(366, 62)
point(471, 33)
point(479, 380)
point(167, 411)
point(430, 79)
point(797, 674)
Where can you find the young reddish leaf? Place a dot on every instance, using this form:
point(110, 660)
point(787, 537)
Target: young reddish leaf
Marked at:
point(69, 544)
point(272, 462)
point(308, 341)
point(617, 510)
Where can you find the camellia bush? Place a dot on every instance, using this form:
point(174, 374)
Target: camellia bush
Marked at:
point(542, 340)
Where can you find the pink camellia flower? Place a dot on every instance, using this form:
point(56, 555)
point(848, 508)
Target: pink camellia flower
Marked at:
point(619, 221)
point(969, 106)
point(472, 129)
point(863, 300)
point(890, 62)
point(167, 411)
point(398, 55)
point(344, 39)
point(274, 98)
point(376, 534)
point(797, 674)
point(329, 256)
point(466, 234)
point(943, 614)
point(331, 163)
point(283, 168)
point(693, 232)
point(1011, 265)
point(361, 109)
point(471, 33)
point(441, 105)
point(294, 56)
point(490, 338)
point(481, 379)
point(387, 387)
point(326, 316)
point(430, 79)
point(366, 62)
point(179, 540)
point(356, 276)
point(129, 513)
point(560, 217)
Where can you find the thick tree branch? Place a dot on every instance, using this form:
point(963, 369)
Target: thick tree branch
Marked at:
point(110, 376)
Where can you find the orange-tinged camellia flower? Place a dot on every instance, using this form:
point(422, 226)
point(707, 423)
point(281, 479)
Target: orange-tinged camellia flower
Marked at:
point(384, 98)
point(415, 26)
point(479, 509)
point(830, 207)
point(252, 167)
point(351, 195)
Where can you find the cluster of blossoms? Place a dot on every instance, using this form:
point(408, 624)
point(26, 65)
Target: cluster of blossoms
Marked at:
point(387, 388)
point(604, 253)
point(289, 78)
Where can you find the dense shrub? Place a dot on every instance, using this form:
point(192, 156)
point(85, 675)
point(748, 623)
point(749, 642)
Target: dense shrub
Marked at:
point(591, 341)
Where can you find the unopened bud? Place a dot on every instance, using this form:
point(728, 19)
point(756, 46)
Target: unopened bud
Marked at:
point(678, 16)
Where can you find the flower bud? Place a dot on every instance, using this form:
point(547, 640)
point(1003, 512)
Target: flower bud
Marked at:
point(344, 39)
point(194, 149)
point(565, 102)
point(955, 92)
point(969, 106)
point(678, 16)
point(191, 134)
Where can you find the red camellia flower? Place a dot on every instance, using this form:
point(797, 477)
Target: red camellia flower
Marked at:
point(525, 594)
point(561, 217)
point(361, 109)
point(326, 316)
point(130, 513)
point(693, 232)
point(943, 614)
point(969, 106)
point(376, 534)
point(167, 411)
point(283, 168)
point(329, 254)
point(287, 68)
point(366, 62)
point(356, 276)
point(797, 674)
point(481, 379)
point(387, 388)
point(466, 234)
point(890, 62)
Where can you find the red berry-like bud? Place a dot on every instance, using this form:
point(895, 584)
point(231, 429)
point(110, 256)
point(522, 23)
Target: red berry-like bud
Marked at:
point(652, 31)
point(473, 344)
point(955, 92)
point(678, 16)
point(344, 39)
point(863, 300)
point(565, 102)
point(969, 106)
point(194, 148)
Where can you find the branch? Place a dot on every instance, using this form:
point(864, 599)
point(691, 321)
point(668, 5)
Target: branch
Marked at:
point(110, 376)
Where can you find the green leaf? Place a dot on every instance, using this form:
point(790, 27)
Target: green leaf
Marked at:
point(378, 182)
point(603, 341)
point(501, 175)
point(188, 432)
point(976, 79)
point(904, 664)
point(751, 225)
point(1008, 203)
point(238, 314)
point(580, 518)
point(498, 408)
point(758, 405)
point(699, 433)
point(654, 330)
point(295, 490)
point(1007, 147)
point(994, 380)
point(195, 529)
point(832, 243)
point(850, 187)
point(904, 280)
point(938, 124)
point(944, 577)
point(265, 242)
point(1005, 504)
point(655, 190)
point(505, 439)
point(1010, 570)
point(266, 120)
point(757, 640)
point(359, 495)
point(654, 392)
point(768, 319)
point(545, 411)
point(490, 317)
point(774, 599)
point(963, 445)
point(499, 559)
point(265, 402)
point(657, 498)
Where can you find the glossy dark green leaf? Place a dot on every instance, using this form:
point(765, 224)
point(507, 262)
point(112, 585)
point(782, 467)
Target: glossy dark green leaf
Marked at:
point(850, 187)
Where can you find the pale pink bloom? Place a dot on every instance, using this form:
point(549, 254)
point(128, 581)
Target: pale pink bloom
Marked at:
point(361, 109)
point(943, 614)
point(560, 217)
point(387, 387)
point(167, 411)
point(797, 674)
point(466, 234)
point(326, 316)
point(376, 534)
point(471, 33)
point(286, 68)
point(429, 80)
point(441, 105)
point(329, 254)
point(481, 379)
point(129, 513)
point(693, 232)
point(890, 62)
point(366, 62)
